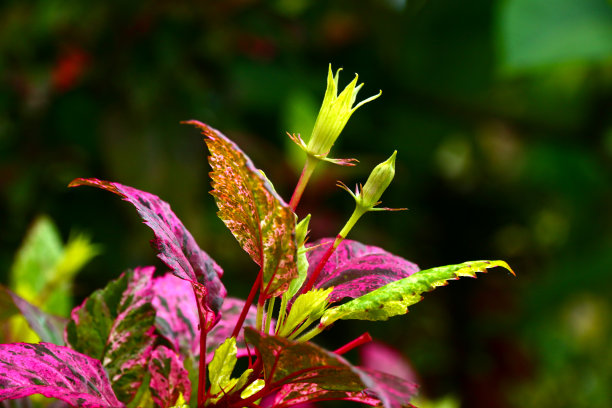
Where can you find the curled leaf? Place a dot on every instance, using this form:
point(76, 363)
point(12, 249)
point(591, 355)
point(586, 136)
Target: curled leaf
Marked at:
point(174, 244)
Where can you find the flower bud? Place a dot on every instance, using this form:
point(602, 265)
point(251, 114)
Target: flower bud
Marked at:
point(334, 114)
point(377, 183)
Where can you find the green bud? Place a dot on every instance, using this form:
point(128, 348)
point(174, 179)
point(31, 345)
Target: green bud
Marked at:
point(334, 114)
point(377, 183)
point(301, 230)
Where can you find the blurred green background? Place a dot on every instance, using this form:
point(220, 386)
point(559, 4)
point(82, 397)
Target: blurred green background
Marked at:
point(501, 112)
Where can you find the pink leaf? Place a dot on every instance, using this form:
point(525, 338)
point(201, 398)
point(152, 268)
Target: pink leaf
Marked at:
point(177, 318)
point(174, 244)
point(169, 378)
point(55, 372)
point(355, 269)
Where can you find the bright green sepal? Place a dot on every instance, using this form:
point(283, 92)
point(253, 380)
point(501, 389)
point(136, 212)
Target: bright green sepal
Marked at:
point(393, 299)
point(308, 307)
point(221, 367)
point(253, 388)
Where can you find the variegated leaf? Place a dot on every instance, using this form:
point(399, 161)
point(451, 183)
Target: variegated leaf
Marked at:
point(116, 325)
point(169, 379)
point(55, 372)
point(355, 269)
point(174, 244)
point(261, 221)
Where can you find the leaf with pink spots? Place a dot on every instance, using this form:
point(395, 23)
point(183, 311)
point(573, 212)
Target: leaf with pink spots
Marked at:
point(169, 378)
point(355, 269)
point(174, 244)
point(55, 372)
point(116, 325)
point(260, 220)
point(177, 318)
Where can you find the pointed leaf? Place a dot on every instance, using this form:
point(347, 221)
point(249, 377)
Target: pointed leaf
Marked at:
point(55, 372)
point(169, 379)
point(116, 325)
point(221, 367)
point(290, 362)
point(261, 221)
point(177, 318)
point(48, 327)
point(287, 361)
point(394, 298)
point(174, 244)
point(355, 269)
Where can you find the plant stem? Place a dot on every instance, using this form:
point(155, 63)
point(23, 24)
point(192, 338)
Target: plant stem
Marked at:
point(269, 314)
point(202, 362)
point(281, 314)
point(307, 171)
point(313, 332)
point(247, 304)
point(260, 308)
point(363, 339)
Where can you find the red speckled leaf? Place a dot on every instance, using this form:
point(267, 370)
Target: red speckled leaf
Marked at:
point(168, 377)
point(355, 269)
point(177, 318)
point(261, 221)
point(116, 325)
point(55, 372)
point(300, 393)
point(290, 362)
point(287, 361)
point(174, 244)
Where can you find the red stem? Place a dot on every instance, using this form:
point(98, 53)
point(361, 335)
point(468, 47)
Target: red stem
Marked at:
point(202, 363)
point(320, 266)
point(247, 304)
point(363, 339)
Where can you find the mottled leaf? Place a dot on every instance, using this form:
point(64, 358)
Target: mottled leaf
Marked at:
point(287, 361)
point(316, 374)
point(55, 372)
point(48, 327)
point(116, 325)
point(174, 244)
point(394, 298)
point(291, 395)
point(355, 269)
point(261, 221)
point(221, 367)
point(169, 379)
point(177, 318)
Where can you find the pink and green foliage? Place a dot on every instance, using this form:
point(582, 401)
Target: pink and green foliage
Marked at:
point(174, 244)
point(116, 325)
point(169, 379)
point(177, 318)
point(155, 341)
point(310, 373)
point(55, 372)
point(48, 327)
point(355, 269)
point(261, 221)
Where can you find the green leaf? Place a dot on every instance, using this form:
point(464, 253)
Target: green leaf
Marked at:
point(116, 325)
point(43, 269)
point(394, 298)
point(540, 32)
point(221, 367)
point(259, 219)
point(308, 306)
